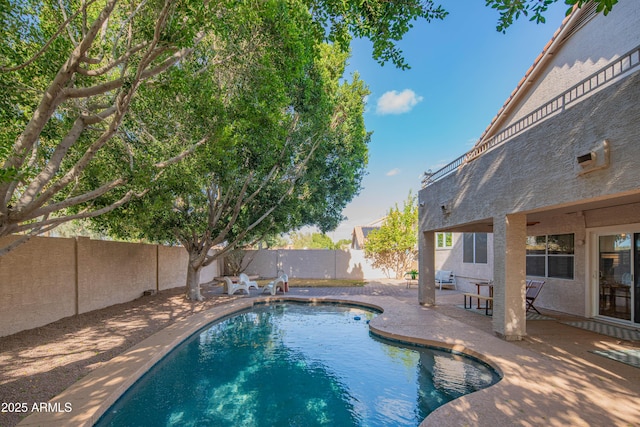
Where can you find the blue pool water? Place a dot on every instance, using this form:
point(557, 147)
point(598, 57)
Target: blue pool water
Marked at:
point(296, 365)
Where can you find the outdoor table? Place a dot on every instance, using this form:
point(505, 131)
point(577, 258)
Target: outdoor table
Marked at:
point(483, 284)
point(410, 280)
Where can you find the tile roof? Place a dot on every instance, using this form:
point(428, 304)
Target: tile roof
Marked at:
point(536, 67)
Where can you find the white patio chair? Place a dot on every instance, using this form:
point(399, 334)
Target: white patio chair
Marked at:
point(243, 278)
point(446, 277)
point(280, 282)
point(234, 287)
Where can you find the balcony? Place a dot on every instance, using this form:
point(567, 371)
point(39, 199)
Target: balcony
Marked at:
point(623, 65)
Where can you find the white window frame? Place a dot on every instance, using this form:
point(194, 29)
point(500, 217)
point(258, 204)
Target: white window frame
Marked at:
point(475, 250)
point(546, 256)
point(444, 240)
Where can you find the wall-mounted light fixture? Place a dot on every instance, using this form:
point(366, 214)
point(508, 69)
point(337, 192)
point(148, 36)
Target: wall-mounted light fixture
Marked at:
point(421, 203)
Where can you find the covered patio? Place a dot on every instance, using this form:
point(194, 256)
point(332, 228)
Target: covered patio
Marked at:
point(598, 264)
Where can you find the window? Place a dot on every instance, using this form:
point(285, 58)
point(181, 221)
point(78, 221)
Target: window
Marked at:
point(444, 240)
point(474, 248)
point(550, 256)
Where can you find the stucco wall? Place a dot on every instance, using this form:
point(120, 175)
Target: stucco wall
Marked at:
point(466, 273)
point(537, 169)
point(37, 284)
point(172, 267)
point(563, 294)
point(597, 44)
point(47, 279)
point(311, 264)
point(537, 172)
point(263, 263)
point(353, 265)
point(113, 272)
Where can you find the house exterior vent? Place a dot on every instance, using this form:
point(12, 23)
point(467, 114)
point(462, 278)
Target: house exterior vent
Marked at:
point(587, 12)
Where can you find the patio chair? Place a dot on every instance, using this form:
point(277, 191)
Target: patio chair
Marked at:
point(280, 282)
point(533, 290)
point(445, 277)
point(243, 278)
point(234, 287)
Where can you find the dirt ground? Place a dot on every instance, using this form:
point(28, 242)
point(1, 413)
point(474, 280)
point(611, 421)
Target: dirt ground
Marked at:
point(38, 364)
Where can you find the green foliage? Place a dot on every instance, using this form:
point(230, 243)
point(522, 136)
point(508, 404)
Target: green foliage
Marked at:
point(312, 241)
point(510, 10)
point(394, 246)
point(235, 81)
point(278, 139)
point(383, 22)
point(69, 72)
point(277, 241)
point(233, 262)
point(77, 228)
point(343, 244)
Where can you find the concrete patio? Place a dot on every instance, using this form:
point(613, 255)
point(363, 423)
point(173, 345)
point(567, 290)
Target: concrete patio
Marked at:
point(549, 379)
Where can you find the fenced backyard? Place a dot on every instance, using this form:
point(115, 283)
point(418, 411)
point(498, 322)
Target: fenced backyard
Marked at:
point(48, 278)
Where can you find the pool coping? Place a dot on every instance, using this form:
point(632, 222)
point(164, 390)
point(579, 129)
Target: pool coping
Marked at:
point(533, 389)
point(91, 396)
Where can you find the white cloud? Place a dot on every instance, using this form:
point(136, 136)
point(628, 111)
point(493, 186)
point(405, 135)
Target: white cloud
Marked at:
point(393, 172)
point(394, 102)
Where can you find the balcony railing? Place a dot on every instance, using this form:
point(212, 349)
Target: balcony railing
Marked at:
point(558, 104)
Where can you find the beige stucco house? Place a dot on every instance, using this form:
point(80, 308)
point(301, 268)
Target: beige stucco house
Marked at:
point(360, 233)
point(467, 255)
point(555, 180)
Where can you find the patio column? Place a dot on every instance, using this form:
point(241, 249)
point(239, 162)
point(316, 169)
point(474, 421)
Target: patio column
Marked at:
point(426, 269)
point(509, 276)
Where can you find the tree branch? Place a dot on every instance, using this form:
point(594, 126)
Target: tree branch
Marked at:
point(52, 99)
point(43, 49)
point(74, 201)
point(182, 155)
point(84, 214)
point(108, 67)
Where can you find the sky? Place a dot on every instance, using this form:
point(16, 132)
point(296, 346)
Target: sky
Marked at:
point(462, 72)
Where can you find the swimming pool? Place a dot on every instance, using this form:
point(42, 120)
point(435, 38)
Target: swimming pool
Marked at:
point(296, 365)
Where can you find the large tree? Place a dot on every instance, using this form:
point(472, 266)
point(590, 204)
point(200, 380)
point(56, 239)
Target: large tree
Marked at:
point(69, 71)
point(394, 246)
point(279, 143)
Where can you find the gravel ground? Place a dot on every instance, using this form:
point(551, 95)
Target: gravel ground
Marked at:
point(38, 364)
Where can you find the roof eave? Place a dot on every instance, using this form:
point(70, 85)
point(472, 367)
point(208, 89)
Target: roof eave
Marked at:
point(530, 76)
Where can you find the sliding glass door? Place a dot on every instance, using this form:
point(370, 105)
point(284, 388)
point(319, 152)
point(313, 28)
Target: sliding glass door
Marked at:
point(635, 295)
point(618, 281)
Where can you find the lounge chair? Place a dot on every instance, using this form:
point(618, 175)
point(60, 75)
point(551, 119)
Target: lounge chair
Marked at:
point(234, 287)
point(533, 290)
point(243, 278)
point(445, 277)
point(280, 282)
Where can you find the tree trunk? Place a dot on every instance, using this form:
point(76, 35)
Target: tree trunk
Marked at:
point(399, 267)
point(193, 282)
